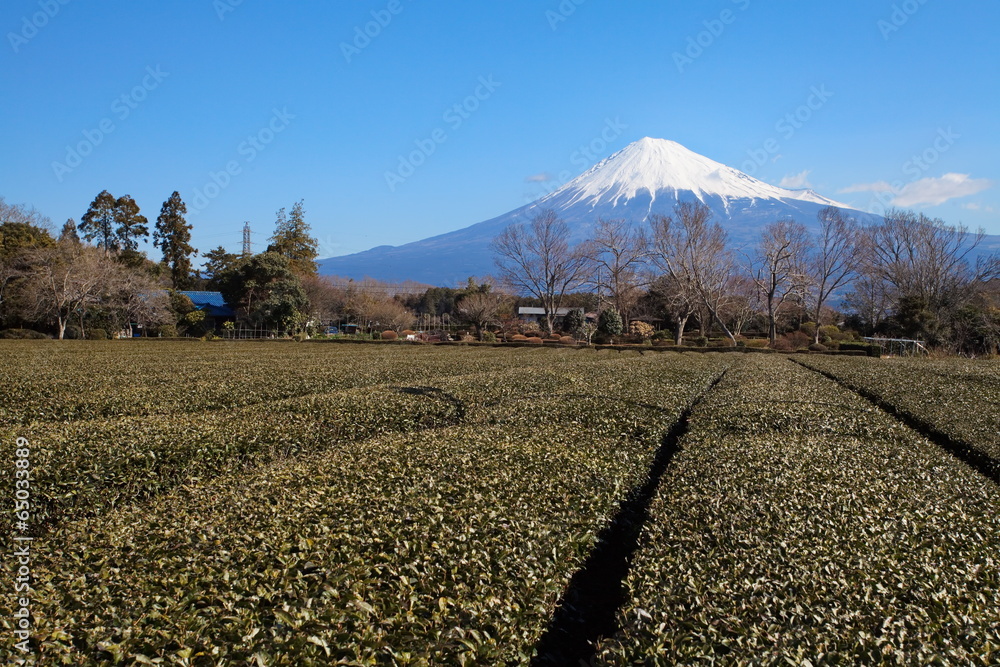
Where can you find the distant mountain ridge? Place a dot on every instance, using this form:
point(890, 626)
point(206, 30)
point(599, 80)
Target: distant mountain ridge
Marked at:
point(647, 177)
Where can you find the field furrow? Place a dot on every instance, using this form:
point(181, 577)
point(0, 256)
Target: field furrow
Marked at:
point(799, 524)
point(954, 401)
point(443, 546)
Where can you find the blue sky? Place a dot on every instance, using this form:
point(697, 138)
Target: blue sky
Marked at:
point(246, 107)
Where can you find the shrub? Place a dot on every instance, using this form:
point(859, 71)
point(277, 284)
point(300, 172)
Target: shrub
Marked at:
point(568, 340)
point(700, 341)
point(389, 335)
point(854, 346)
point(818, 347)
point(23, 334)
point(166, 331)
point(535, 340)
point(534, 333)
point(408, 332)
point(831, 331)
point(554, 336)
point(97, 334)
point(794, 340)
point(663, 334)
point(519, 337)
point(301, 337)
point(755, 342)
point(641, 330)
point(489, 337)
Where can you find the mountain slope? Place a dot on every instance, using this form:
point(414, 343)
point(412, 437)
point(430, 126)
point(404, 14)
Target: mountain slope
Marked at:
point(647, 177)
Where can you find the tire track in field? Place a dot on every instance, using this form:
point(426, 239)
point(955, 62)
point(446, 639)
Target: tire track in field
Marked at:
point(589, 606)
point(980, 462)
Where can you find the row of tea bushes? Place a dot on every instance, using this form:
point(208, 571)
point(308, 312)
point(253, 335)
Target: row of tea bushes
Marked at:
point(800, 525)
point(959, 398)
point(44, 381)
point(86, 467)
point(444, 546)
point(91, 466)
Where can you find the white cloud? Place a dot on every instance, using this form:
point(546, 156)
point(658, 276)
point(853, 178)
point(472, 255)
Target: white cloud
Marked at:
point(796, 181)
point(539, 178)
point(934, 191)
point(877, 186)
point(972, 206)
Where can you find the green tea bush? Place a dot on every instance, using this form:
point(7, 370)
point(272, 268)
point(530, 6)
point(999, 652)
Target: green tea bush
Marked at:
point(448, 545)
point(958, 398)
point(797, 524)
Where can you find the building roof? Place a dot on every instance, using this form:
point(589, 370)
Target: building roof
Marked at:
point(528, 310)
point(211, 302)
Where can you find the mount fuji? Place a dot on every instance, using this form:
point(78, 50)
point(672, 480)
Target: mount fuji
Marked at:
point(647, 177)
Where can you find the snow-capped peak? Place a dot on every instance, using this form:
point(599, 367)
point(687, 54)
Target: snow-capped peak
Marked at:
point(657, 165)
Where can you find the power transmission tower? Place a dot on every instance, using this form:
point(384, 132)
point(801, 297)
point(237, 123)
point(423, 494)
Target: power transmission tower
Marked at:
point(247, 251)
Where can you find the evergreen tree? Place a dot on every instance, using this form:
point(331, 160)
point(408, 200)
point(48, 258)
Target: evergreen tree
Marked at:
point(264, 290)
point(99, 222)
point(68, 233)
point(574, 321)
point(610, 322)
point(132, 225)
point(172, 236)
point(292, 240)
point(217, 261)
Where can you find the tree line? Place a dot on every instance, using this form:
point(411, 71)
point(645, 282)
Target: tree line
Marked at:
point(92, 276)
point(906, 275)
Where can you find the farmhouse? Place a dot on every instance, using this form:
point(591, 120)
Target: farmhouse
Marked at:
point(535, 315)
point(213, 305)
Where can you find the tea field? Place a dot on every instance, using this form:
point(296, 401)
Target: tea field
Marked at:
point(315, 504)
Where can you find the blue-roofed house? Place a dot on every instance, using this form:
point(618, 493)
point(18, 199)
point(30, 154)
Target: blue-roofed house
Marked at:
point(213, 305)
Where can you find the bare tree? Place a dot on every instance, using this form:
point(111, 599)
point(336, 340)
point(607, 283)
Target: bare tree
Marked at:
point(743, 306)
point(691, 249)
point(869, 300)
point(391, 314)
point(677, 301)
point(23, 214)
point(66, 280)
point(617, 253)
point(915, 256)
point(374, 308)
point(481, 309)
point(778, 267)
point(537, 259)
point(327, 301)
point(132, 296)
point(834, 262)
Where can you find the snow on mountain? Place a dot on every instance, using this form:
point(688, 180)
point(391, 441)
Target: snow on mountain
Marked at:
point(647, 177)
point(656, 165)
